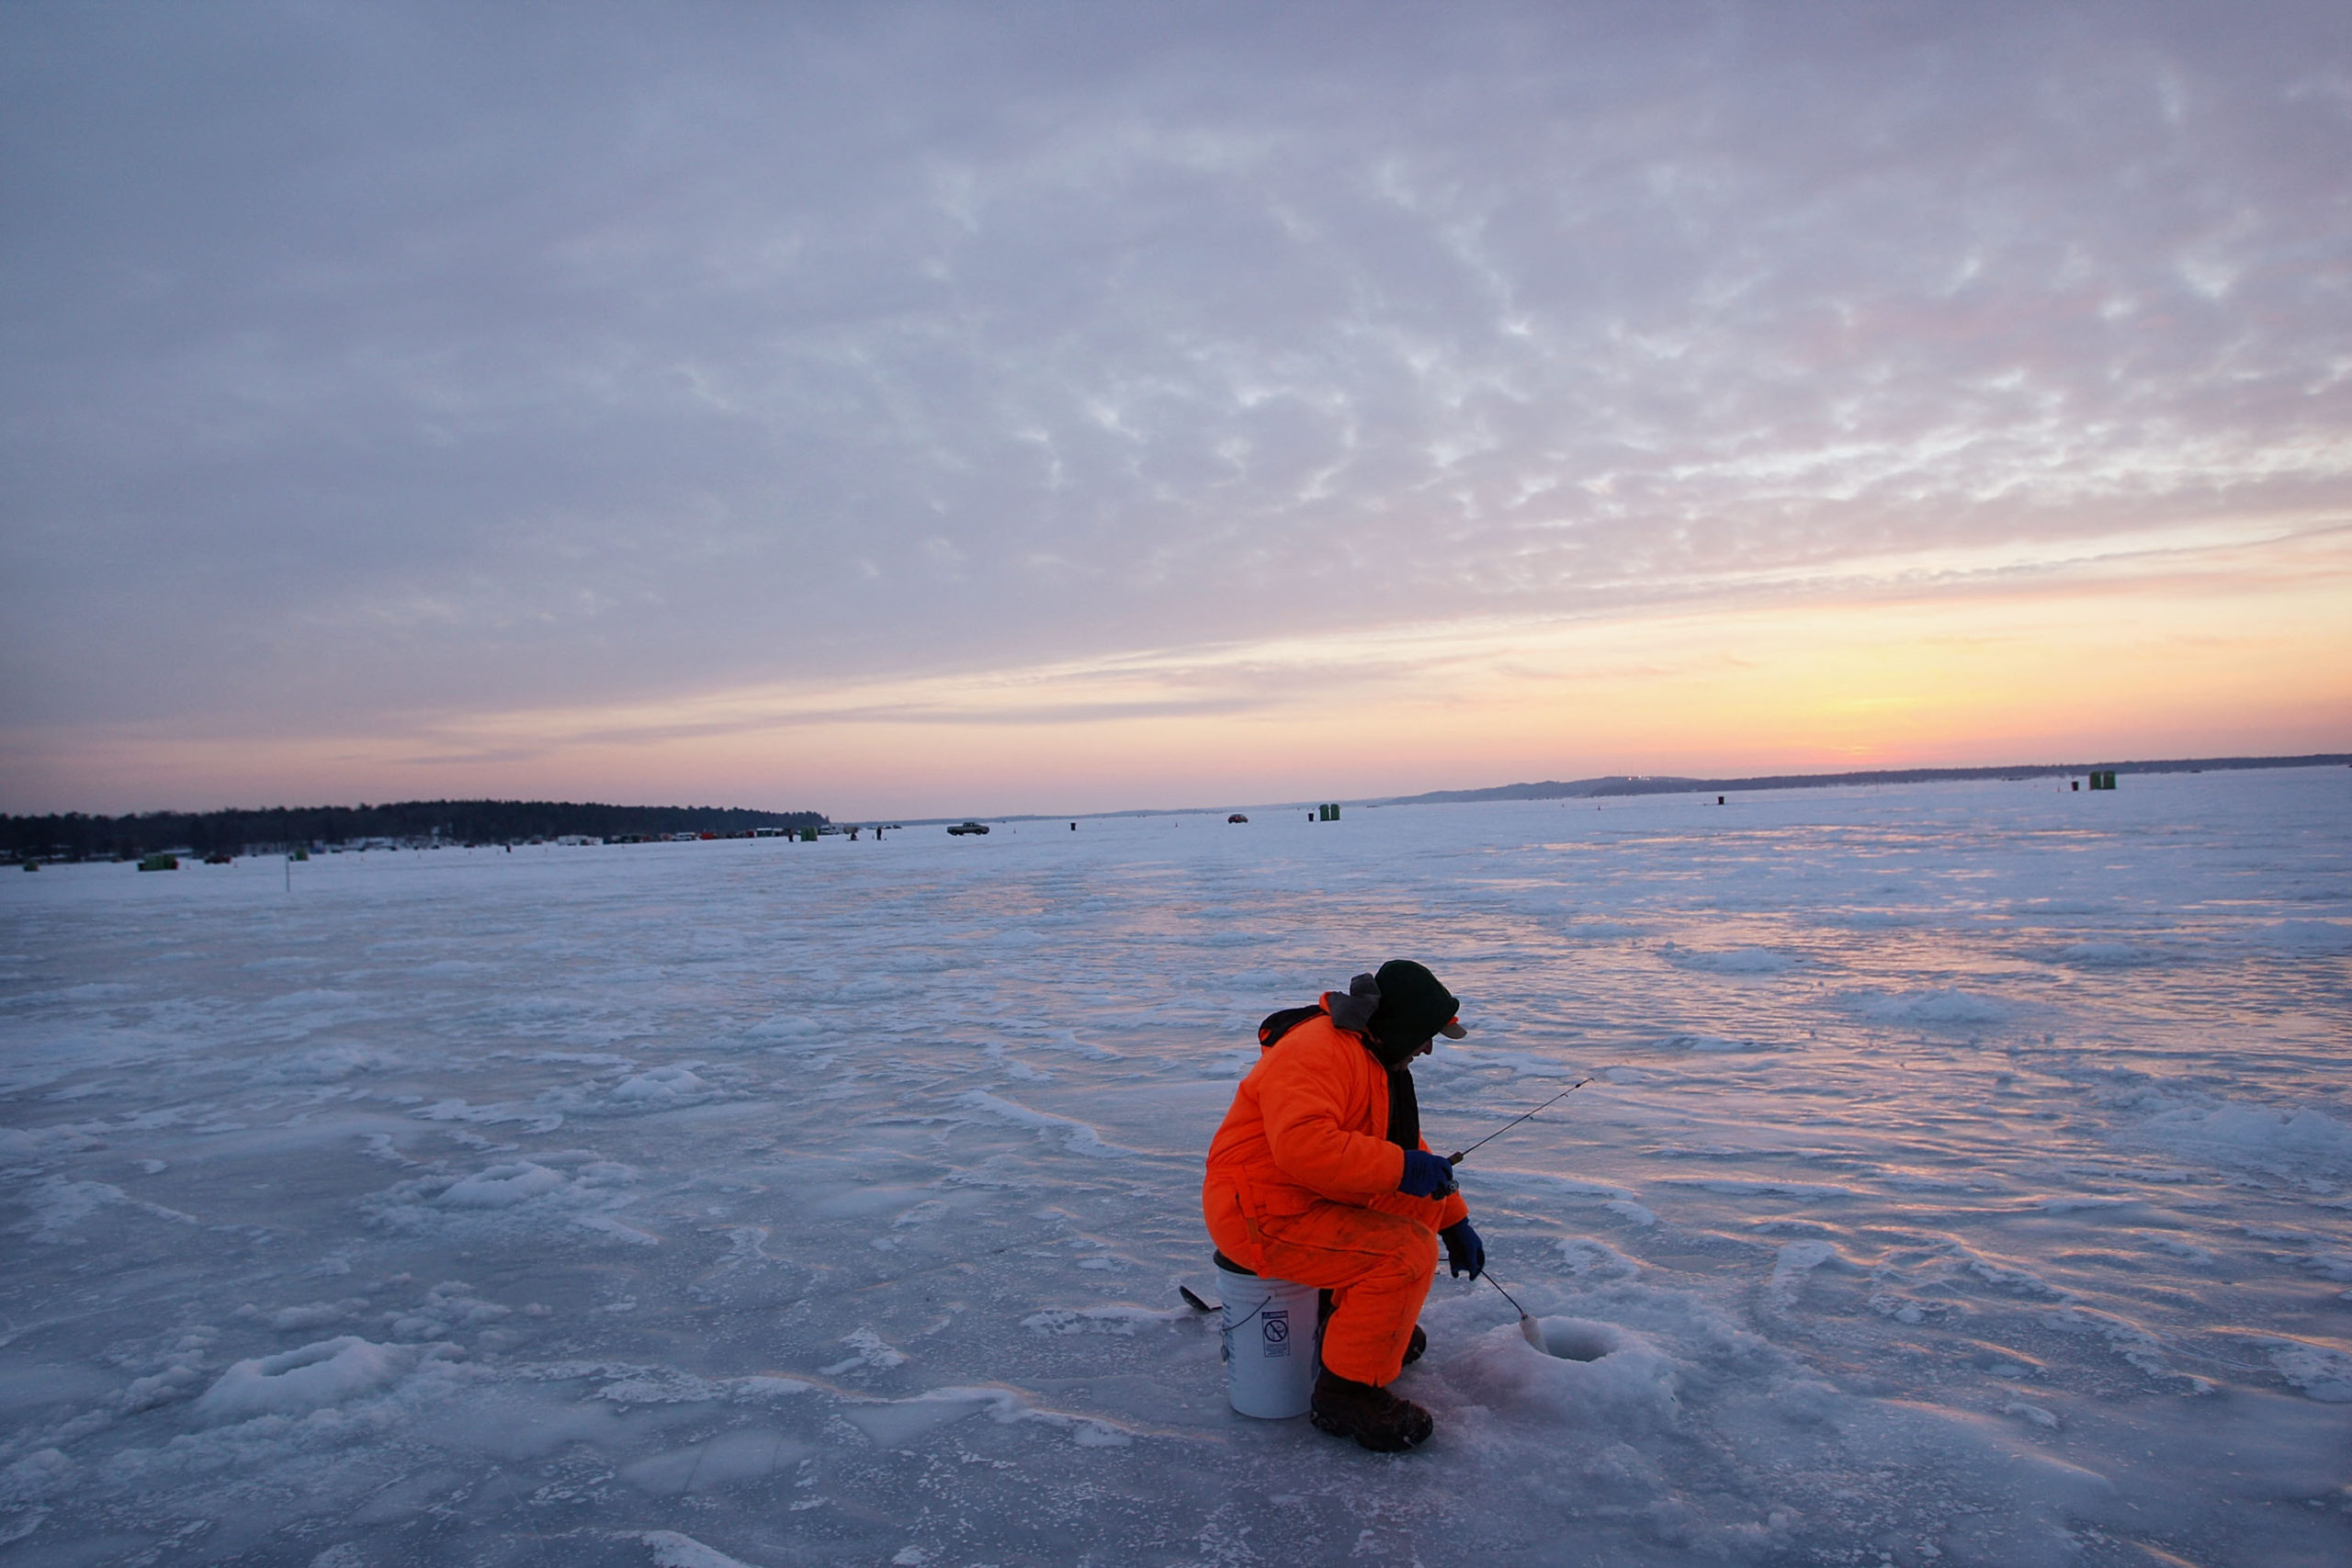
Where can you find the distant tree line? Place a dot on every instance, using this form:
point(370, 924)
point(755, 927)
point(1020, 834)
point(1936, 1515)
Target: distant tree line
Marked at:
point(74, 836)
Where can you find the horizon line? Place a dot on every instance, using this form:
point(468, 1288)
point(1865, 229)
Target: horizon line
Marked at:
point(1605, 784)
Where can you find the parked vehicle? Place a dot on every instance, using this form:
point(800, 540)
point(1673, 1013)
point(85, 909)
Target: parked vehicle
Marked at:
point(962, 827)
point(1237, 817)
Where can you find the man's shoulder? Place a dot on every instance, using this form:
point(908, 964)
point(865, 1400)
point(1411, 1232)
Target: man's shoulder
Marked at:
point(1318, 1037)
point(1272, 1029)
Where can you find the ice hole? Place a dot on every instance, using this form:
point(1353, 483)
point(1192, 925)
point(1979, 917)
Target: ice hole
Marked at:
point(1574, 1339)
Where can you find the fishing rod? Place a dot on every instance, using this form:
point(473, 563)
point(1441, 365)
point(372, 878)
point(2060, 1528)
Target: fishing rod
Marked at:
point(1452, 1187)
point(1458, 1158)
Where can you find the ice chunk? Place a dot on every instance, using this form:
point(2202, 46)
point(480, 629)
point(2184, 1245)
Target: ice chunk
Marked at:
point(504, 1186)
point(315, 1314)
point(37, 1475)
point(297, 1382)
point(660, 1085)
point(1795, 1261)
point(2322, 1371)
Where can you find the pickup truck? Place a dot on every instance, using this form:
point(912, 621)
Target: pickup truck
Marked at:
point(962, 827)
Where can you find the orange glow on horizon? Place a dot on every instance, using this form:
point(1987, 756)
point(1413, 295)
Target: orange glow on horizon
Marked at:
point(2190, 665)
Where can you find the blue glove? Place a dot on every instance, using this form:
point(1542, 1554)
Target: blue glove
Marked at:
point(1426, 1176)
point(1465, 1253)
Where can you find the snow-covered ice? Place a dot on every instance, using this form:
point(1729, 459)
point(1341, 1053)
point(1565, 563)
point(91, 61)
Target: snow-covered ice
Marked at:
point(1965, 1178)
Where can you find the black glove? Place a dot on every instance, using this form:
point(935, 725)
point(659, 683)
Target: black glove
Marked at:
point(1465, 1253)
point(1426, 1176)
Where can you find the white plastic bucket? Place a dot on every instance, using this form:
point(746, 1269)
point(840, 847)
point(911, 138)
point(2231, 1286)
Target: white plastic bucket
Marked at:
point(1270, 1340)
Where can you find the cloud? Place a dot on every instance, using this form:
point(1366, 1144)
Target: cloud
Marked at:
point(366, 363)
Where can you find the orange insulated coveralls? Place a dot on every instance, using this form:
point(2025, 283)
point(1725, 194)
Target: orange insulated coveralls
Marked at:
point(1302, 1186)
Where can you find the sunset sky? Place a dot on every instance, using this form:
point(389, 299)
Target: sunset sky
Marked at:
point(920, 410)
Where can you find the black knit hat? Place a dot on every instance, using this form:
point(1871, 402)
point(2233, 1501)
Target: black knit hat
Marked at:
point(1413, 1007)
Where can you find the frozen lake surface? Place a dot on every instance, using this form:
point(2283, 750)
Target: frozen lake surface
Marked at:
point(1966, 1179)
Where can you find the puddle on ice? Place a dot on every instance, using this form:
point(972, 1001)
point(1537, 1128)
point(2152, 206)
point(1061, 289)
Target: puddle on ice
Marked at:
point(521, 1221)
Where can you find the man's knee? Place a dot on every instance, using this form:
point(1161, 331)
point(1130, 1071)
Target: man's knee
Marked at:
point(1407, 1250)
point(1412, 1259)
point(1425, 1252)
point(1349, 1247)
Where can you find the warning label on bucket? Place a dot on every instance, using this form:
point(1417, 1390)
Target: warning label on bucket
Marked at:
point(1277, 1331)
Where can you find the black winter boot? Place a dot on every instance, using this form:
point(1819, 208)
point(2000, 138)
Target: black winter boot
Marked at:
point(1373, 1416)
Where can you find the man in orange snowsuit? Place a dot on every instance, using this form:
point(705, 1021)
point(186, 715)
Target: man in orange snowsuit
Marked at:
point(1319, 1176)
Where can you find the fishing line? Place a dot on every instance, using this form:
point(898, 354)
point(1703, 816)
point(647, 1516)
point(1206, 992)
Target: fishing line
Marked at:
point(1498, 1284)
point(1529, 1329)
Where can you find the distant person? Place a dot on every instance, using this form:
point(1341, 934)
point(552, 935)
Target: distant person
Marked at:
point(1319, 1176)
